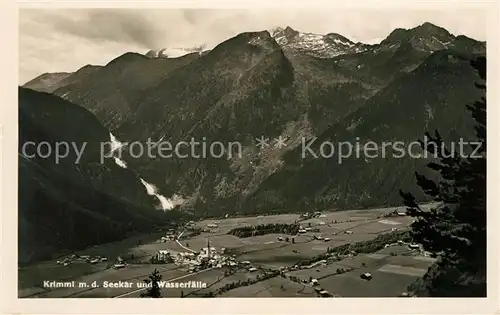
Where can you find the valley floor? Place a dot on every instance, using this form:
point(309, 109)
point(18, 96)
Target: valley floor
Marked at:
point(392, 269)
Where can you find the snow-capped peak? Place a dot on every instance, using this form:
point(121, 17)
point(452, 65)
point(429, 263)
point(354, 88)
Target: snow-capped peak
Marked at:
point(284, 36)
point(318, 45)
point(174, 52)
point(338, 39)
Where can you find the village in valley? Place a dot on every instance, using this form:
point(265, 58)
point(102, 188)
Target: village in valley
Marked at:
point(355, 253)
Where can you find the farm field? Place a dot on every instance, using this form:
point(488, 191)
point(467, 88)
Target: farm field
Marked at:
point(392, 268)
point(275, 287)
point(390, 276)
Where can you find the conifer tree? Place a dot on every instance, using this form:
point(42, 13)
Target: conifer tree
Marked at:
point(455, 231)
point(153, 291)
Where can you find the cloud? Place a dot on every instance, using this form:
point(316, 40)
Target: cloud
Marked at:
point(111, 25)
point(53, 40)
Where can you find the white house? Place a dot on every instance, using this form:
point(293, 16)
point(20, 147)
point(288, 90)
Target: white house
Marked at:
point(366, 276)
point(118, 266)
point(325, 293)
point(163, 255)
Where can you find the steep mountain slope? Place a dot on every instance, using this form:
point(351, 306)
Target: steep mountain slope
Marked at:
point(80, 74)
point(244, 88)
point(402, 51)
point(281, 85)
point(431, 97)
point(70, 204)
point(46, 82)
point(49, 82)
point(233, 71)
point(112, 92)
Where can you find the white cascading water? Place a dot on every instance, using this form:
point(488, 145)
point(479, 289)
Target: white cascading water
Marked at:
point(115, 145)
point(165, 203)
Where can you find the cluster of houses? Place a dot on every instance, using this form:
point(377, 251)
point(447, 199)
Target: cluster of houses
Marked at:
point(119, 263)
point(84, 258)
point(308, 215)
point(395, 213)
point(169, 236)
point(248, 266)
point(321, 238)
point(320, 291)
point(207, 257)
point(212, 227)
point(313, 283)
point(303, 230)
point(411, 246)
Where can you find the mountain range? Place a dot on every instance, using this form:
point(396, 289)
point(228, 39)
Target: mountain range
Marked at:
point(279, 83)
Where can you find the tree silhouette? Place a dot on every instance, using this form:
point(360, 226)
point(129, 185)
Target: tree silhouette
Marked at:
point(455, 231)
point(153, 290)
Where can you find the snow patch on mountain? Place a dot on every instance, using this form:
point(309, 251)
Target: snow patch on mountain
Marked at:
point(174, 52)
point(317, 45)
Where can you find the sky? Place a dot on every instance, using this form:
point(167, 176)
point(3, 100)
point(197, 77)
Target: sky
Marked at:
point(64, 40)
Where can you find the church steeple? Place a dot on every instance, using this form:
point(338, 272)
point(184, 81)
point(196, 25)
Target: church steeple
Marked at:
point(208, 248)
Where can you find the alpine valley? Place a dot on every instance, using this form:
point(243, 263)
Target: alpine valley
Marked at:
point(278, 83)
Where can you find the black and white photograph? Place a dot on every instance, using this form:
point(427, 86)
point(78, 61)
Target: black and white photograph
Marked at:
point(251, 153)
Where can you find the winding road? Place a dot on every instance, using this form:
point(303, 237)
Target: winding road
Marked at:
point(177, 240)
